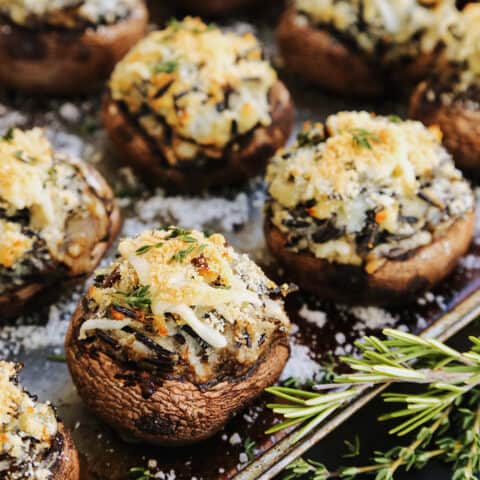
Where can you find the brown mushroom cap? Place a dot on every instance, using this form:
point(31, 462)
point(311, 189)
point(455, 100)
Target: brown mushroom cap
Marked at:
point(63, 62)
point(394, 283)
point(459, 123)
point(175, 411)
point(236, 165)
point(27, 297)
point(319, 57)
point(67, 467)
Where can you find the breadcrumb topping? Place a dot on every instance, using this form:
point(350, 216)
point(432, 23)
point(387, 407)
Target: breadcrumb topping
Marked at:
point(27, 431)
point(365, 188)
point(194, 88)
point(190, 293)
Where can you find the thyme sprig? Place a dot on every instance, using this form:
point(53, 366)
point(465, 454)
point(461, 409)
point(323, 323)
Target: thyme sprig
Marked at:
point(138, 298)
point(443, 418)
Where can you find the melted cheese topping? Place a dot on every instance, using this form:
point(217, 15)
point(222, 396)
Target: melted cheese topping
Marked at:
point(66, 13)
point(393, 22)
point(193, 281)
point(205, 86)
point(42, 195)
point(27, 431)
point(364, 186)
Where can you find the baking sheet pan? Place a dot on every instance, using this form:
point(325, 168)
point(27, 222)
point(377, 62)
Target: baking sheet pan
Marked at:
point(322, 331)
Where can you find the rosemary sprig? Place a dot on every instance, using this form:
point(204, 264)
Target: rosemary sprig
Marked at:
point(449, 402)
point(169, 66)
point(363, 138)
point(138, 298)
point(448, 374)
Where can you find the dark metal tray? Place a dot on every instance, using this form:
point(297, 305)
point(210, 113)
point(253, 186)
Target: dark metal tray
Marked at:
point(324, 330)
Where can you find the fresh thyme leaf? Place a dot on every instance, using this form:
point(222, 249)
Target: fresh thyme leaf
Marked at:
point(168, 66)
point(56, 358)
point(177, 232)
point(174, 24)
point(9, 134)
point(139, 298)
point(249, 445)
point(201, 248)
point(146, 248)
point(212, 26)
point(363, 138)
point(394, 119)
point(181, 255)
point(22, 156)
point(140, 473)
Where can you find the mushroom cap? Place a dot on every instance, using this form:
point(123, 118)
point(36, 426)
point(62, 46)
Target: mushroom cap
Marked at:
point(255, 148)
point(63, 62)
point(459, 123)
point(68, 466)
point(394, 283)
point(173, 411)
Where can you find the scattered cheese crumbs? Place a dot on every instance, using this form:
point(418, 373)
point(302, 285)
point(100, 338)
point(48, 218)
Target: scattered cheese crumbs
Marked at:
point(372, 318)
point(189, 212)
point(243, 457)
point(316, 317)
point(300, 365)
point(470, 262)
point(235, 439)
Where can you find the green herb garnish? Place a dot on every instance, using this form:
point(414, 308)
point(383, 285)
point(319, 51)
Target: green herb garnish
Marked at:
point(249, 445)
point(9, 134)
point(139, 298)
point(441, 417)
point(146, 248)
point(22, 156)
point(394, 119)
point(56, 358)
point(140, 473)
point(174, 24)
point(363, 138)
point(181, 255)
point(168, 66)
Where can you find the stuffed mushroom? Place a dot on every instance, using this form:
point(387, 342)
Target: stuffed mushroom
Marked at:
point(194, 107)
point(66, 46)
point(34, 444)
point(451, 99)
point(57, 218)
point(364, 47)
point(176, 336)
point(368, 210)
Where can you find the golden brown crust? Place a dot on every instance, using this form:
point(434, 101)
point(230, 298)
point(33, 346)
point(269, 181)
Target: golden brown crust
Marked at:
point(235, 166)
point(177, 412)
point(213, 7)
point(320, 58)
point(459, 123)
point(27, 297)
point(63, 62)
point(68, 466)
point(395, 282)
